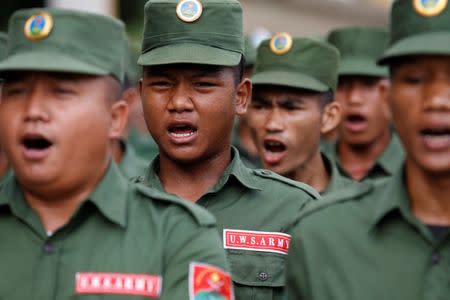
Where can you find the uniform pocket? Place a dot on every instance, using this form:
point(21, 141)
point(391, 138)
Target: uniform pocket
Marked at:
point(257, 275)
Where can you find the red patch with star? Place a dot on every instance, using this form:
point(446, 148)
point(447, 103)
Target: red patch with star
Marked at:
point(262, 241)
point(118, 284)
point(209, 283)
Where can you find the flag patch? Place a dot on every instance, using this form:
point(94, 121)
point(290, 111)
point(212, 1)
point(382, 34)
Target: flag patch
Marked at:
point(209, 282)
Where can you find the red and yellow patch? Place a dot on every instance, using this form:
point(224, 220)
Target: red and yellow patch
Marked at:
point(208, 282)
point(262, 241)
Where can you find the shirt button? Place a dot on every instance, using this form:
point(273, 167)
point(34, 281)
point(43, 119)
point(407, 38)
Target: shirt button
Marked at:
point(265, 172)
point(263, 276)
point(49, 249)
point(435, 258)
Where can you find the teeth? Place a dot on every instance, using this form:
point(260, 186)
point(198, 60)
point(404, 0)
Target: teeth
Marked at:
point(183, 134)
point(273, 144)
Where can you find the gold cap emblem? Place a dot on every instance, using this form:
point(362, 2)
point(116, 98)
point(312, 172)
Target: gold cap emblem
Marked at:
point(189, 10)
point(430, 8)
point(281, 43)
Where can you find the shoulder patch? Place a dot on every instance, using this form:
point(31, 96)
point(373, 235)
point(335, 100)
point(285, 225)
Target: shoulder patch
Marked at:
point(354, 192)
point(202, 216)
point(274, 176)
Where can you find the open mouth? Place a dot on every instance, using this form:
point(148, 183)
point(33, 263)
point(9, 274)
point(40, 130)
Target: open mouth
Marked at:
point(436, 139)
point(182, 132)
point(355, 118)
point(274, 152)
point(36, 143)
point(356, 122)
point(436, 132)
point(274, 146)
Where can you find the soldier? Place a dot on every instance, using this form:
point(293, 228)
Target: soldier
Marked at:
point(292, 106)
point(4, 168)
point(392, 241)
point(192, 90)
point(71, 226)
point(366, 148)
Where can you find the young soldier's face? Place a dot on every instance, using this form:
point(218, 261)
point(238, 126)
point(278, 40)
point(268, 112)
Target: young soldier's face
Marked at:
point(286, 127)
point(365, 111)
point(190, 109)
point(420, 101)
point(55, 127)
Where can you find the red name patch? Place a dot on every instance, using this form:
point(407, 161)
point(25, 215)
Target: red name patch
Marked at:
point(256, 241)
point(118, 284)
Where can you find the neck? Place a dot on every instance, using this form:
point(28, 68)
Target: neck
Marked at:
point(3, 165)
point(245, 139)
point(191, 181)
point(55, 207)
point(118, 151)
point(357, 160)
point(429, 194)
point(313, 173)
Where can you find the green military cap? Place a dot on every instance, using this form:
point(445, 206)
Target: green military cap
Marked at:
point(419, 27)
point(300, 63)
point(192, 31)
point(3, 44)
point(249, 52)
point(360, 48)
point(57, 40)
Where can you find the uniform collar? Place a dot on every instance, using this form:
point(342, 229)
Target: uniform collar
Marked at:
point(131, 164)
point(236, 169)
point(337, 181)
point(110, 196)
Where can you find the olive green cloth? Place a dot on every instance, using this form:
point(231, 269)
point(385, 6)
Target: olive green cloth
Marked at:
point(360, 47)
point(79, 42)
point(385, 165)
point(249, 160)
point(249, 52)
point(132, 165)
point(215, 38)
point(144, 144)
point(309, 64)
point(120, 228)
point(255, 200)
point(338, 182)
point(369, 246)
point(3, 44)
point(413, 32)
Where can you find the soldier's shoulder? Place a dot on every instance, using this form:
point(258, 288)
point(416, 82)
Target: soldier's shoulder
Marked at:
point(199, 214)
point(341, 206)
point(267, 179)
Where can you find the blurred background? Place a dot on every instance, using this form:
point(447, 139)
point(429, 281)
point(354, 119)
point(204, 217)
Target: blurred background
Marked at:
point(299, 17)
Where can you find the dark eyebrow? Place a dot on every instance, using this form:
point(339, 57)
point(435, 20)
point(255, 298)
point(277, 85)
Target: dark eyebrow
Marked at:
point(260, 99)
point(291, 100)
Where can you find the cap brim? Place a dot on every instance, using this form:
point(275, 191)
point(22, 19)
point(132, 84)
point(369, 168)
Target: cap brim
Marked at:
point(436, 43)
point(190, 54)
point(362, 67)
point(48, 62)
point(289, 79)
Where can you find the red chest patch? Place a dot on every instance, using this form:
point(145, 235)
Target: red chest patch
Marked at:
point(118, 284)
point(275, 242)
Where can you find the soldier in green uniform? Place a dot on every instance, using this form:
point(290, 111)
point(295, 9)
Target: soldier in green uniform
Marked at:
point(366, 148)
point(71, 226)
point(4, 168)
point(292, 106)
point(192, 90)
point(241, 137)
point(392, 241)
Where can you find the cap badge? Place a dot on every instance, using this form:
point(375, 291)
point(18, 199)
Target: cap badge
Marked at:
point(189, 10)
point(430, 8)
point(38, 26)
point(281, 43)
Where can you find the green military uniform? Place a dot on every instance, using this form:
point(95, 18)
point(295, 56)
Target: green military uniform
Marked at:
point(338, 182)
point(125, 240)
point(248, 159)
point(378, 248)
point(144, 144)
point(254, 208)
point(131, 165)
point(252, 201)
point(386, 164)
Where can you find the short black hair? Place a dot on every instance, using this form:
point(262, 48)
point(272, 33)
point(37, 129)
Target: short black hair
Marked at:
point(326, 98)
point(239, 70)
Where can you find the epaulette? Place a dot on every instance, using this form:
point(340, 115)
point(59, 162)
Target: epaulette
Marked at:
point(354, 192)
point(274, 176)
point(200, 214)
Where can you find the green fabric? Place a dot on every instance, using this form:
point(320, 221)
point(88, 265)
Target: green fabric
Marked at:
point(386, 164)
point(360, 47)
point(249, 52)
point(132, 165)
point(413, 33)
point(257, 200)
point(368, 246)
point(249, 160)
point(309, 64)
point(121, 227)
point(144, 145)
point(79, 42)
point(216, 38)
point(3, 44)
point(338, 182)
point(5, 176)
